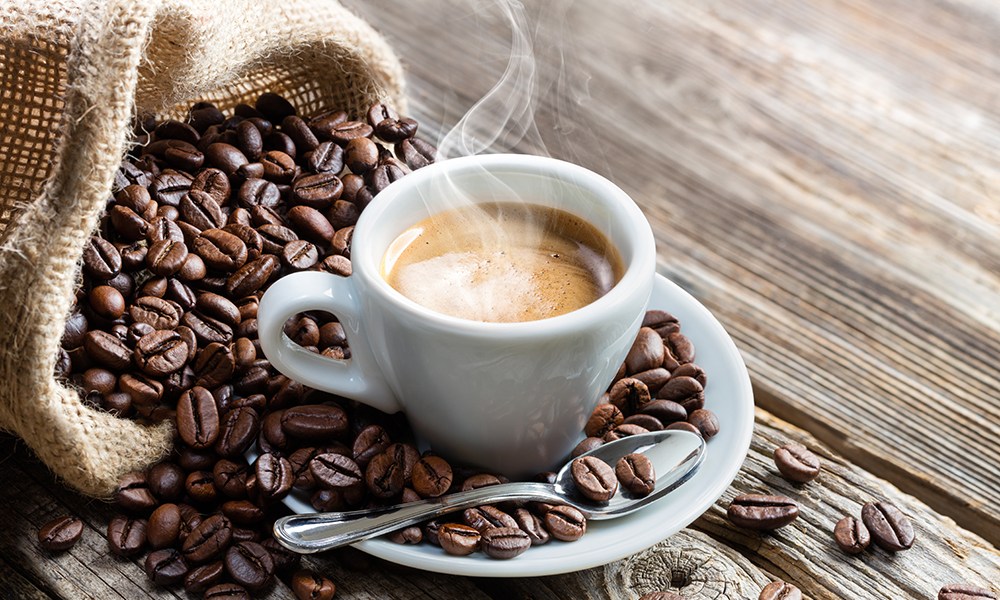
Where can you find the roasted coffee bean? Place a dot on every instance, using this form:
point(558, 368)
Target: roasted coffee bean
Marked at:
point(166, 257)
point(691, 370)
point(311, 224)
point(685, 391)
point(328, 500)
point(315, 422)
point(197, 418)
point(504, 542)
point(361, 155)
point(415, 152)
point(323, 122)
point(155, 312)
point(309, 585)
point(755, 511)
point(623, 430)
point(200, 487)
point(484, 517)
point(274, 107)
point(164, 526)
point(201, 210)
point(177, 130)
point(141, 388)
point(384, 475)
point(665, 411)
point(342, 214)
point(318, 190)
point(74, 331)
point(352, 185)
point(407, 535)
point(370, 441)
point(964, 591)
point(214, 365)
point(208, 540)
point(133, 493)
point(166, 481)
point(594, 478)
point(851, 535)
point(127, 224)
point(225, 157)
point(300, 459)
point(346, 131)
point(181, 294)
point(274, 237)
point(169, 187)
point(629, 395)
point(258, 192)
point(336, 264)
point(679, 351)
point(184, 157)
point(706, 422)
point(239, 428)
point(890, 529)
point(274, 476)
point(60, 533)
point(586, 445)
point(165, 567)
point(336, 471)
point(251, 276)
point(200, 579)
point(230, 478)
point(379, 112)
point(479, 480)
point(221, 250)
point(328, 157)
point(300, 255)
point(249, 140)
point(796, 462)
point(531, 524)
point(304, 332)
point(279, 167)
point(565, 523)
point(779, 590)
point(63, 366)
point(636, 474)
point(647, 422)
point(384, 174)
point(297, 129)
point(99, 380)
point(126, 537)
point(214, 183)
point(101, 260)
point(653, 378)
point(134, 197)
point(604, 418)
point(397, 130)
point(458, 539)
point(208, 329)
point(242, 512)
point(432, 476)
point(161, 353)
point(249, 564)
point(193, 268)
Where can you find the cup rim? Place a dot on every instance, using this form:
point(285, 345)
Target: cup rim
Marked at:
point(638, 272)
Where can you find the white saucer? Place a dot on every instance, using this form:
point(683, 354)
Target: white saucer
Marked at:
point(728, 394)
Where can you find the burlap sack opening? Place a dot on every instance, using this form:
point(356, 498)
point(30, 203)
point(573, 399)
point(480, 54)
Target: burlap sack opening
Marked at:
point(73, 73)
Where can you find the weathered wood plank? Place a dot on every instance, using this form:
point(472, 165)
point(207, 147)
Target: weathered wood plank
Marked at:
point(820, 174)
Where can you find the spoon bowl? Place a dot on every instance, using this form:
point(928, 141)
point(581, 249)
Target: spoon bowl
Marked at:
point(675, 456)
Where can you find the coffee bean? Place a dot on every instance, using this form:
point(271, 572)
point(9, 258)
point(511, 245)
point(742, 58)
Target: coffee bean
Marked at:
point(504, 542)
point(274, 107)
point(60, 533)
point(249, 564)
point(309, 585)
point(230, 478)
point(299, 131)
point(686, 391)
point(636, 474)
point(458, 539)
point(99, 380)
point(706, 422)
point(415, 152)
point(346, 131)
point(166, 257)
point(275, 237)
point(127, 224)
point(208, 540)
point(432, 476)
point(647, 422)
point(279, 167)
point(594, 478)
point(328, 157)
point(197, 418)
point(200, 579)
point(531, 524)
point(370, 441)
point(317, 191)
point(890, 529)
point(251, 276)
point(200, 487)
point(388, 171)
point(683, 426)
point(779, 590)
point(629, 395)
point(407, 535)
point(155, 312)
point(397, 130)
point(679, 351)
point(239, 427)
point(335, 471)
point(164, 526)
point(586, 445)
point(242, 512)
point(604, 418)
point(691, 370)
point(214, 365)
point(565, 523)
point(964, 591)
point(653, 378)
point(169, 187)
point(74, 331)
point(384, 475)
point(623, 430)
point(279, 141)
point(126, 537)
point(274, 476)
point(221, 250)
point(796, 463)
point(101, 260)
point(133, 493)
point(311, 224)
point(851, 535)
point(214, 183)
point(225, 157)
point(161, 353)
point(755, 511)
point(208, 329)
point(165, 567)
point(646, 352)
point(338, 265)
point(315, 422)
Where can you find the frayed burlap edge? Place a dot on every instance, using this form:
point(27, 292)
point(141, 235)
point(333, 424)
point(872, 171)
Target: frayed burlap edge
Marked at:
point(154, 55)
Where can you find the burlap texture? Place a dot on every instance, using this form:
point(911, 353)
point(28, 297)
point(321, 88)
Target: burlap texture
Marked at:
point(73, 73)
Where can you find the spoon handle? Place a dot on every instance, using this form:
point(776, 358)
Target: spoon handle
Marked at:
point(316, 532)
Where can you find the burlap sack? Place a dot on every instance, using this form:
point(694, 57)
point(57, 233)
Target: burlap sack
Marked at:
point(73, 73)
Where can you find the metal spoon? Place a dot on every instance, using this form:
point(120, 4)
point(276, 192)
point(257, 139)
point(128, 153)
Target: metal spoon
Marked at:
point(675, 455)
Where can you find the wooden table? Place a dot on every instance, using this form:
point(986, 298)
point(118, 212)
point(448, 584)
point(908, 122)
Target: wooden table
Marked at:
point(823, 175)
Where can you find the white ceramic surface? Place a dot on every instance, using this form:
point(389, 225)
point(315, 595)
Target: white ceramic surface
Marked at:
point(508, 397)
point(728, 394)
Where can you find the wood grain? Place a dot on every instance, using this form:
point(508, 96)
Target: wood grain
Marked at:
point(713, 559)
point(820, 174)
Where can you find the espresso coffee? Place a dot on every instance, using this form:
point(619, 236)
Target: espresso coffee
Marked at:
point(502, 262)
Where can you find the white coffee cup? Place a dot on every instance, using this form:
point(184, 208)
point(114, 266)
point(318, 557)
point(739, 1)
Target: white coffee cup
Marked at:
point(507, 397)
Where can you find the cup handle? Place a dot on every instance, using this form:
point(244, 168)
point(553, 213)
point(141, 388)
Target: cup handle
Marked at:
point(359, 377)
